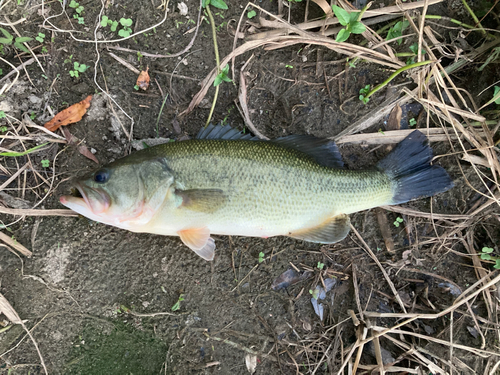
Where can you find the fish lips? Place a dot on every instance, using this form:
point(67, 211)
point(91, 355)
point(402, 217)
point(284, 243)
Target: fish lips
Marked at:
point(97, 200)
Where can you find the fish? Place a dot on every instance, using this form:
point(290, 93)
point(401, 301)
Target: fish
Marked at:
point(225, 182)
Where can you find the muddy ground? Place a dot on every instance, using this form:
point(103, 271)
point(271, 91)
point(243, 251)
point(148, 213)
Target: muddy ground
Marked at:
point(79, 289)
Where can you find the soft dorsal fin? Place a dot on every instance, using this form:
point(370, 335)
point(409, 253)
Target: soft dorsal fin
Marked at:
point(323, 151)
point(223, 132)
point(333, 230)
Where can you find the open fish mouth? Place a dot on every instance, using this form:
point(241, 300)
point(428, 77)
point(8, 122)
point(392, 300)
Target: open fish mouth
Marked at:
point(84, 198)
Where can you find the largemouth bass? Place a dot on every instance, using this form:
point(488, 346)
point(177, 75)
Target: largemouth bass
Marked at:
point(228, 183)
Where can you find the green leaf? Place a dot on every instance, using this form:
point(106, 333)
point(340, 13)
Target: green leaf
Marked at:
point(73, 4)
point(497, 90)
point(342, 15)
point(358, 28)
point(104, 21)
point(124, 33)
point(126, 22)
point(5, 41)
point(218, 4)
point(45, 163)
point(7, 34)
point(114, 25)
point(487, 250)
point(342, 35)
point(82, 68)
point(414, 48)
point(21, 47)
point(205, 3)
point(2, 114)
point(218, 80)
point(486, 256)
point(497, 264)
point(251, 14)
point(23, 39)
point(14, 154)
point(353, 17)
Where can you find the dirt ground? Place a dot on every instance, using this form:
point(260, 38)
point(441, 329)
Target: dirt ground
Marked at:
point(98, 300)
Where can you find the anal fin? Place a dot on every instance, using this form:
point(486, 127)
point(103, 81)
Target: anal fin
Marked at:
point(332, 230)
point(199, 241)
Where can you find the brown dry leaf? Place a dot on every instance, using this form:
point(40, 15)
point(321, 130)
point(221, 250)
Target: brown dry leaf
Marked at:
point(82, 149)
point(143, 79)
point(325, 6)
point(7, 309)
point(70, 115)
point(394, 121)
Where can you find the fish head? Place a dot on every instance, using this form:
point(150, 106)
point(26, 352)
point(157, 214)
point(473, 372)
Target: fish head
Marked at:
point(121, 194)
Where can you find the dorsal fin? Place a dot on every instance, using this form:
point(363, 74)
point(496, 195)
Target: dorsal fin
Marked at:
point(223, 132)
point(323, 151)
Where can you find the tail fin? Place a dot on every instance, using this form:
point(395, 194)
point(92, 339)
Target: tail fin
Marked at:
point(408, 165)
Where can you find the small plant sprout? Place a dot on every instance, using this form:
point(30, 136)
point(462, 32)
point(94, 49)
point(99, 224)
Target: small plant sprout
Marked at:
point(363, 93)
point(126, 31)
point(412, 122)
point(414, 49)
point(261, 257)
point(3, 129)
point(222, 76)
point(18, 42)
point(350, 21)
point(251, 14)
point(320, 266)
point(397, 30)
point(398, 221)
point(177, 305)
point(45, 163)
point(40, 38)
point(486, 255)
point(289, 66)
point(78, 68)
point(314, 293)
point(2, 114)
point(105, 21)
point(79, 11)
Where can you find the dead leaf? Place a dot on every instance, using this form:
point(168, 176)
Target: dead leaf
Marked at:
point(394, 121)
point(7, 309)
point(143, 79)
point(325, 6)
point(82, 149)
point(70, 115)
point(251, 362)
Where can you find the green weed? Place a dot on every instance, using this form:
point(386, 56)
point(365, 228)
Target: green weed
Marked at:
point(78, 68)
point(17, 42)
point(350, 21)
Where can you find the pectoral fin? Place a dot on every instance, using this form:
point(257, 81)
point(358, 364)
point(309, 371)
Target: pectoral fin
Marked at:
point(333, 230)
point(199, 241)
point(202, 200)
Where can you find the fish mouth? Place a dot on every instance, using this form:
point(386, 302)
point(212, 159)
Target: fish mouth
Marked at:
point(84, 198)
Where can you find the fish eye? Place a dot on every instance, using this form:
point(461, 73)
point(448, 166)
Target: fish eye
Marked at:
point(101, 176)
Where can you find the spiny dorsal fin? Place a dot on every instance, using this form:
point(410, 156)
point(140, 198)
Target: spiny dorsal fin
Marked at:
point(323, 151)
point(223, 132)
point(333, 230)
point(202, 200)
